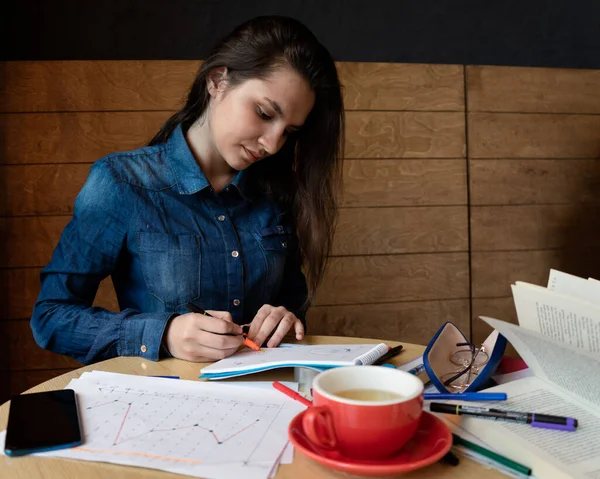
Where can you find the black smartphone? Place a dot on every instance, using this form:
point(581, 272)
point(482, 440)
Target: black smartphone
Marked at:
point(40, 422)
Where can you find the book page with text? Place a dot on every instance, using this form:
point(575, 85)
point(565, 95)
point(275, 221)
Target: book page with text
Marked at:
point(572, 370)
point(569, 320)
point(549, 453)
point(575, 286)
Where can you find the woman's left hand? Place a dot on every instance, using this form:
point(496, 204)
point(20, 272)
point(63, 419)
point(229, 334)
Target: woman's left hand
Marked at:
point(274, 318)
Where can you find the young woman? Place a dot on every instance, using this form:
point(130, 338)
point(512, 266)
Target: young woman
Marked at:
point(231, 201)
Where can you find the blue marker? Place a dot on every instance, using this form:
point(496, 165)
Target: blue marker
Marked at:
point(417, 370)
point(467, 396)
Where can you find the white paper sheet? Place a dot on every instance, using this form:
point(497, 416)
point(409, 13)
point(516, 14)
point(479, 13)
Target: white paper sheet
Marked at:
point(188, 427)
point(287, 456)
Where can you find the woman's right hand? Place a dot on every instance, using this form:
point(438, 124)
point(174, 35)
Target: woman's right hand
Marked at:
point(199, 338)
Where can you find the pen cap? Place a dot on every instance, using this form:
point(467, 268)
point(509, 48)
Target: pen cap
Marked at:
point(443, 408)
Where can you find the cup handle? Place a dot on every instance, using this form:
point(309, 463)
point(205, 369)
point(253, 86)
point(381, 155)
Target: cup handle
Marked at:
point(317, 423)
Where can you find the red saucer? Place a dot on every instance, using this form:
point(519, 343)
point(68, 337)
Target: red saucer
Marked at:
point(430, 443)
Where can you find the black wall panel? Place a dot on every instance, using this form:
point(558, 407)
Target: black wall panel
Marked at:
point(557, 33)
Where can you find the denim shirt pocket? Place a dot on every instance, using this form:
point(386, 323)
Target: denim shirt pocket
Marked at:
point(275, 242)
point(171, 266)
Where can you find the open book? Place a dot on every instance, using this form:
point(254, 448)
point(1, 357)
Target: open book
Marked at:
point(317, 357)
point(565, 382)
point(568, 310)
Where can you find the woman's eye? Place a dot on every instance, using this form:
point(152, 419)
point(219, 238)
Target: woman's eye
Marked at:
point(262, 114)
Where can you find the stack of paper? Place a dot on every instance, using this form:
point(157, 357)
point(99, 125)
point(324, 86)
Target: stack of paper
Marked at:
point(187, 427)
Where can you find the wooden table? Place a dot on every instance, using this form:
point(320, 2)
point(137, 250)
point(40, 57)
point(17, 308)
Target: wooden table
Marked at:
point(31, 467)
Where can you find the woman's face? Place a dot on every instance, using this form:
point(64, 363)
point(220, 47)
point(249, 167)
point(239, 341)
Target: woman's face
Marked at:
point(254, 119)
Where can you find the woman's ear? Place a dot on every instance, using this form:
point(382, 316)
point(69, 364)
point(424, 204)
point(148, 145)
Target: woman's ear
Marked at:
point(217, 81)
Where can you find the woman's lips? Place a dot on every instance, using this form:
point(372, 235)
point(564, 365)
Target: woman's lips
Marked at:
point(251, 155)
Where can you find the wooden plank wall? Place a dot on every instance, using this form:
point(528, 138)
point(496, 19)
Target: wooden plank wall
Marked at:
point(400, 257)
point(534, 180)
point(401, 263)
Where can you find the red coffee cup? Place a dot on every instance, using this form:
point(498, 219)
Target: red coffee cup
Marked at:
point(364, 412)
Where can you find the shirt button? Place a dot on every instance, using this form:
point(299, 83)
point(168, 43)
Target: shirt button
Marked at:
point(235, 254)
point(221, 218)
point(236, 302)
point(144, 348)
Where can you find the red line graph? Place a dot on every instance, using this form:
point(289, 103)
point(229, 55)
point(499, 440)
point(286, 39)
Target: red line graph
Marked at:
point(212, 432)
point(154, 430)
point(122, 424)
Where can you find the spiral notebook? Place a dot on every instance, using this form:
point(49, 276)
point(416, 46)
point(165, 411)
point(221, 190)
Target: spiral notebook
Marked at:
point(319, 357)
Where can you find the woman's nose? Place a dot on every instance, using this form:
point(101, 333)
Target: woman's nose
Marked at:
point(272, 141)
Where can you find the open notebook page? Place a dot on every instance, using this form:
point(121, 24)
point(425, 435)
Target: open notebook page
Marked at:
point(324, 355)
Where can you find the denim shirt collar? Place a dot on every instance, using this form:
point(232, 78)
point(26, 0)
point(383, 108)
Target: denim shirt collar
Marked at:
point(188, 174)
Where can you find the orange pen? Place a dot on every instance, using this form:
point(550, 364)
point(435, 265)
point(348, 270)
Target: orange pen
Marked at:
point(248, 342)
point(291, 393)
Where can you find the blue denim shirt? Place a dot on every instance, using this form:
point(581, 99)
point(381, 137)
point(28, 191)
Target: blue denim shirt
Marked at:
point(151, 220)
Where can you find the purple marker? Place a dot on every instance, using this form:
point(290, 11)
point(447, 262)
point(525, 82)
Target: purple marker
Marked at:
point(545, 421)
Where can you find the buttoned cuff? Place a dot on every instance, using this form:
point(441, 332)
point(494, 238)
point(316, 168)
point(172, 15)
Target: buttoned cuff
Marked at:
point(164, 351)
point(141, 335)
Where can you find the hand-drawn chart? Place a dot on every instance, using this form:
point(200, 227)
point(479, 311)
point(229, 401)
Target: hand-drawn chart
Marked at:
point(201, 430)
point(193, 428)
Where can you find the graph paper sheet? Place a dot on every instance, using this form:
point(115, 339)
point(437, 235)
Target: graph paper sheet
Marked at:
point(187, 427)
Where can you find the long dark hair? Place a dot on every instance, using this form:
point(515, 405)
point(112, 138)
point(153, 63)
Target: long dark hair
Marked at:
point(304, 176)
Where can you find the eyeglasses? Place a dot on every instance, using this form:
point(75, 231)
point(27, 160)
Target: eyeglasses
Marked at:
point(470, 359)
